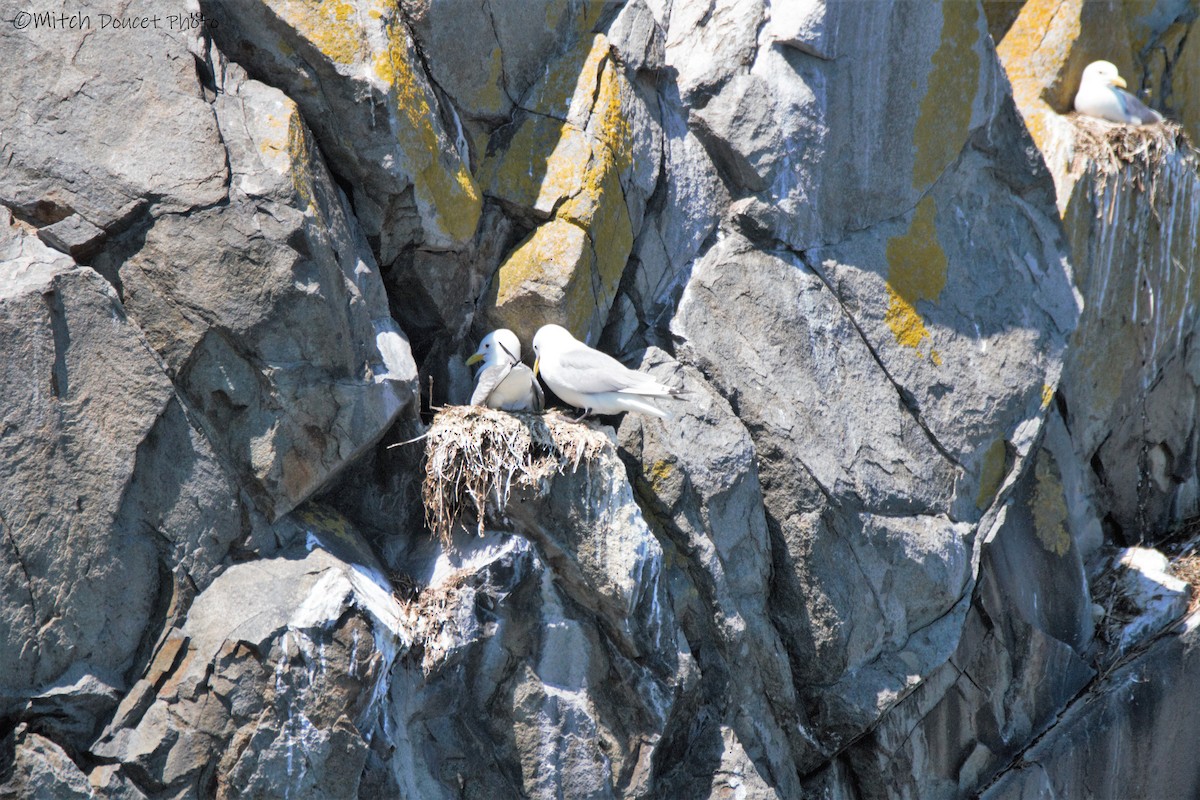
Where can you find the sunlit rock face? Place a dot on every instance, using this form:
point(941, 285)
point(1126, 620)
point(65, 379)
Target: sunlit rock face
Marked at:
point(933, 337)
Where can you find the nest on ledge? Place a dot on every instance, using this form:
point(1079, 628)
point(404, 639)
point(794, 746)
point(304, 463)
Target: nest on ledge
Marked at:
point(475, 457)
point(1109, 145)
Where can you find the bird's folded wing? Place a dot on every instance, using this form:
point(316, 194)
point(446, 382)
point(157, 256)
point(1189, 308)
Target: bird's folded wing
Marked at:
point(539, 397)
point(593, 372)
point(489, 378)
point(1136, 109)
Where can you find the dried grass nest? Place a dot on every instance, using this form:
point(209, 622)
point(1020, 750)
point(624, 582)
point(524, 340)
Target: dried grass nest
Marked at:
point(1109, 145)
point(475, 456)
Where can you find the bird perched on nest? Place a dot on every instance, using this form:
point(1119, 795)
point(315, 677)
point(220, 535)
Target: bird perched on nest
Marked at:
point(591, 380)
point(1102, 94)
point(503, 382)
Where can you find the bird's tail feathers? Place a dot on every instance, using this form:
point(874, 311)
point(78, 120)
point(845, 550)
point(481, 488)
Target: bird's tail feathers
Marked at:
point(645, 407)
point(654, 390)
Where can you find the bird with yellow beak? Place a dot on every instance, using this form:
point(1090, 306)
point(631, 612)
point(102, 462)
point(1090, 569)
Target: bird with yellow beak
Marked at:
point(503, 382)
point(1102, 95)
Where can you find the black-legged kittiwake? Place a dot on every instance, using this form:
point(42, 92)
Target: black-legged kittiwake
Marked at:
point(503, 381)
point(1102, 94)
point(591, 380)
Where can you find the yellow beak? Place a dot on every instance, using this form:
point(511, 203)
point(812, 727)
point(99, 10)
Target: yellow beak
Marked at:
point(1119, 81)
point(537, 362)
point(475, 359)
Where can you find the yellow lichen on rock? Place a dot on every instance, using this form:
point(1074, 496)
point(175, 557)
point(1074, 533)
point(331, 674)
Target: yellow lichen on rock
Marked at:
point(568, 87)
point(916, 271)
point(283, 142)
point(327, 521)
point(553, 165)
point(442, 182)
point(332, 26)
point(1050, 507)
point(991, 473)
point(547, 278)
point(544, 162)
point(368, 37)
point(916, 262)
point(299, 153)
point(611, 156)
point(945, 117)
point(611, 233)
point(1034, 52)
point(659, 473)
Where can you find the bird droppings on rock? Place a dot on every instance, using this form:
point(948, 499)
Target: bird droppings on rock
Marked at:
point(475, 457)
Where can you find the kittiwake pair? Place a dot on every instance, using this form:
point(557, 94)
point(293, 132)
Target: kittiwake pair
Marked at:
point(1102, 94)
point(578, 374)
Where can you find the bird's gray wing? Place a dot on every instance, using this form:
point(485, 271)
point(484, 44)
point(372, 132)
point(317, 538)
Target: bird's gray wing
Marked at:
point(487, 380)
point(1136, 109)
point(592, 372)
point(539, 397)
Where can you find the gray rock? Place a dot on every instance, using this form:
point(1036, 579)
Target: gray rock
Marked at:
point(708, 41)
point(1130, 393)
point(926, 308)
point(699, 480)
point(104, 482)
point(283, 345)
point(107, 123)
point(1133, 727)
point(854, 565)
point(736, 777)
point(572, 607)
point(507, 43)
point(803, 406)
point(268, 685)
point(70, 708)
point(1022, 657)
point(682, 222)
point(74, 236)
point(108, 782)
point(42, 769)
point(435, 291)
point(802, 25)
point(361, 86)
point(801, 384)
point(740, 128)
point(637, 36)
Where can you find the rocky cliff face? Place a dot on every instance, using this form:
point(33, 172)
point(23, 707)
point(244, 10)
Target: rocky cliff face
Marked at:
point(936, 340)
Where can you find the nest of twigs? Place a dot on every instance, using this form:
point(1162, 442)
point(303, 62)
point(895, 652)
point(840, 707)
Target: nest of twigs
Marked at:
point(475, 457)
point(1109, 146)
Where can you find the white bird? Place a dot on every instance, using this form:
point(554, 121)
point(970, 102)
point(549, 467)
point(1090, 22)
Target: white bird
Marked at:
point(591, 380)
point(1102, 94)
point(503, 382)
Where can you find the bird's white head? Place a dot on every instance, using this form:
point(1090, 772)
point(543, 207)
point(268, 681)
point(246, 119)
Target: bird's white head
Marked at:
point(497, 347)
point(547, 336)
point(1104, 72)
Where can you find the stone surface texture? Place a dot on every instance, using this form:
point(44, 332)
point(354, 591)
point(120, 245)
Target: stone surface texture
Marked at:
point(920, 526)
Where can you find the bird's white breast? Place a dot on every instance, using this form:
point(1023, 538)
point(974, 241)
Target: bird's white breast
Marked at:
point(1100, 101)
point(514, 393)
